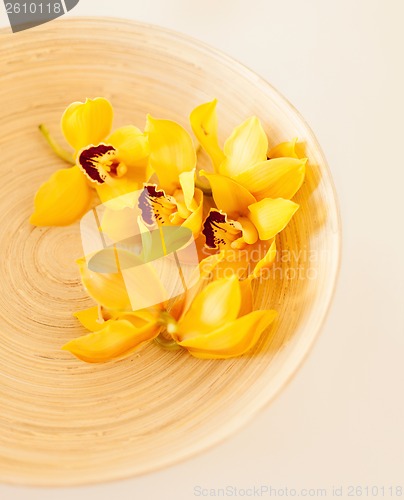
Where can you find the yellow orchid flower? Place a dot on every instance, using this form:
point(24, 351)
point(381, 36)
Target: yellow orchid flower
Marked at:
point(251, 188)
point(278, 173)
point(174, 200)
point(239, 220)
point(244, 231)
point(114, 167)
point(117, 166)
point(220, 323)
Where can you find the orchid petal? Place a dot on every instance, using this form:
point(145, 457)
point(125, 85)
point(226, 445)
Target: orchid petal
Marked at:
point(187, 183)
point(87, 123)
point(247, 145)
point(277, 178)
point(284, 149)
point(171, 151)
point(62, 200)
point(119, 223)
point(235, 263)
point(95, 318)
point(108, 289)
point(204, 125)
point(265, 262)
point(247, 302)
point(249, 231)
point(218, 303)
point(132, 145)
point(232, 339)
point(199, 276)
point(229, 196)
point(194, 221)
point(113, 190)
point(90, 318)
point(270, 216)
point(115, 339)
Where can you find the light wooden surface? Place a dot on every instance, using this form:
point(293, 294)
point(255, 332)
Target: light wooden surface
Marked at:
point(64, 422)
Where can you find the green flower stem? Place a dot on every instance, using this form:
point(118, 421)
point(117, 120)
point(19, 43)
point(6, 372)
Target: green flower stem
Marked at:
point(168, 345)
point(58, 150)
point(164, 339)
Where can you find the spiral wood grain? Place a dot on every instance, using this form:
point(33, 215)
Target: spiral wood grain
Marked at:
point(64, 422)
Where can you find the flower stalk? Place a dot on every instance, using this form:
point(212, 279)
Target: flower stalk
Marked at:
point(56, 148)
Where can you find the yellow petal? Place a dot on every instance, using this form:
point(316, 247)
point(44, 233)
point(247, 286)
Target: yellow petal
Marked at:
point(115, 189)
point(132, 145)
point(204, 124)
point(229, 195)
point(143, 284)
point(247, 302)
point(240, 262)
point(271, 216)
point(216, 305)
point(284, 149)
point(89, 318)
point(141, 317)
point(207, 265)
point(194, 221)
point(247, 145)
point(171, 151)
point(232, 339)
point(108, 289)
point(87, 123)
point(95, 318)
point(265, 262)
point(201, 275)
point(187, 183)
point(118, 223)
point(148, 285)
point(115, 339)
point(235, 262)
point(250, 233)
point(277, 178)
point(63, 199)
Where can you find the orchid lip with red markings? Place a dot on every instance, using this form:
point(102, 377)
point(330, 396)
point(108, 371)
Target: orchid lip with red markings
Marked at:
point(212, 226)
point(98, 161)
point(151, 206)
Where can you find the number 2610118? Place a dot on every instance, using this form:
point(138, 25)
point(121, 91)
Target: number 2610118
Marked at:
point(34, 8)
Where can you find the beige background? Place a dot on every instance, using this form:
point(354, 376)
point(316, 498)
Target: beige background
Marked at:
point(340, 421)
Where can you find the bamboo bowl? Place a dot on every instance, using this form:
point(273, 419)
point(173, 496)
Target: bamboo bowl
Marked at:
point(63, 422)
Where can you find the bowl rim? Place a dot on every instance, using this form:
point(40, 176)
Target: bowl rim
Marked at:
point(262, 403)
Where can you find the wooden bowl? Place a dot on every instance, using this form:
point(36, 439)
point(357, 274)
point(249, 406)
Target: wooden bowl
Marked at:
point(64, 422)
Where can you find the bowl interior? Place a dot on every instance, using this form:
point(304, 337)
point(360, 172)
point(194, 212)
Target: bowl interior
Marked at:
point(66, 422)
